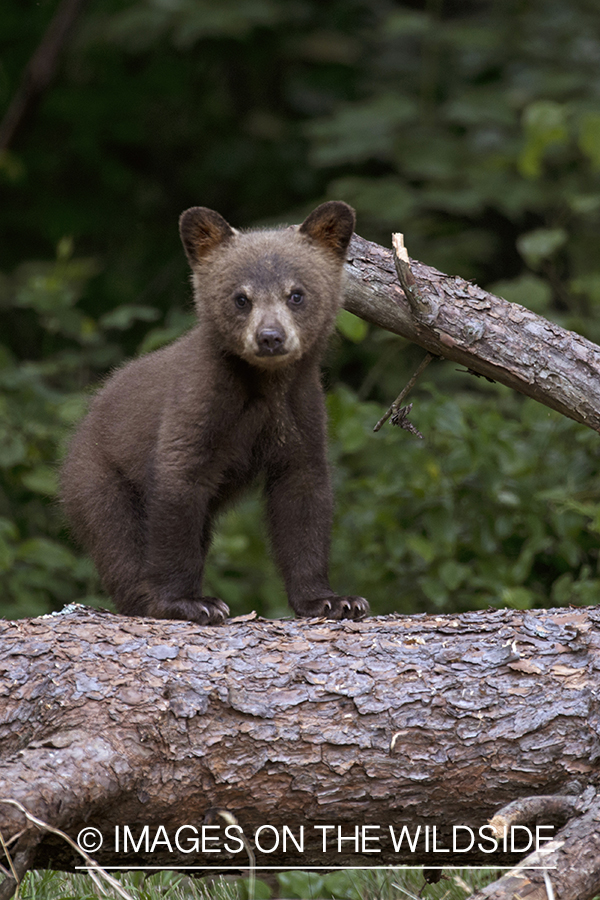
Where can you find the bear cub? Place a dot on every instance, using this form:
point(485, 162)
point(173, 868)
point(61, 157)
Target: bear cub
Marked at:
point(176, 434)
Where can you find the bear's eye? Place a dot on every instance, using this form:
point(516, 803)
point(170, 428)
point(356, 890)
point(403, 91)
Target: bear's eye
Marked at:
point(296, 298)
point(241, 301)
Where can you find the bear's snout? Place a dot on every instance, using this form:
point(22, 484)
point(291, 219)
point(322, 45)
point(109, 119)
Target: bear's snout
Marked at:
point(271, 341)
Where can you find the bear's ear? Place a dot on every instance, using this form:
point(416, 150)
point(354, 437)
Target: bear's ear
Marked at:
point(331, 225)
point(201, 230)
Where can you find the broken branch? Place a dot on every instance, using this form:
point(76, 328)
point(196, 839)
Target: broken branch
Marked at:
point(466, 324)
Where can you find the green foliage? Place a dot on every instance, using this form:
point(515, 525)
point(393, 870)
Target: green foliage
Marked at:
point(383, 884)
point(476, 132)
point(347, 884)
point(472, 128)
point(39, 404)
point(164, 885)
point(474, 514)
point(544, 125)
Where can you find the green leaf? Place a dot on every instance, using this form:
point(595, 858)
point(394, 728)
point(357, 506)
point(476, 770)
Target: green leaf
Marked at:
point(382, 199)
point(300, 884)
point(351, 326)
point(13, 449)
point(422, 546)
point(64, 248)
point(124, 316)
point(536, 246)
point(343, 885)
point(177, 324)
point(72, 408)
point(8, 535)
point(528, 290)
point(453, 574)
point(46, 553)
point(42, 480)
point(434, 591)
point(262, 891)
point(584, 204)
point(11, 166)
point(361, 131)
point(545, 125)
point(518, 598)
point(589, 137)
point(407, 23)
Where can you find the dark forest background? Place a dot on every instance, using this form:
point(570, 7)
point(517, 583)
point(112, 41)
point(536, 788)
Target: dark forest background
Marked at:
point(472, 127)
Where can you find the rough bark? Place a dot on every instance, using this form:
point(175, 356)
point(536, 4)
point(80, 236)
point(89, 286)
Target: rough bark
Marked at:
point(395, 721)
point(487, 334)
point(571, 868)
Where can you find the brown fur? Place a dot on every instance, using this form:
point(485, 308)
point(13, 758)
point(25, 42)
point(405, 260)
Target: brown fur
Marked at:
point(176, 434)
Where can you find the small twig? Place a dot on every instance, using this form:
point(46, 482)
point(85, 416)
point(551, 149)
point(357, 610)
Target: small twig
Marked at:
point(396, 404)
point(20, 861)
point(95, 869)
point(548, 885)
point(230, 819)
point(13, 872)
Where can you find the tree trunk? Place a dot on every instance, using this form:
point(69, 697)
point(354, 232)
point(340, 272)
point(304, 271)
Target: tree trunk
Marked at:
point(487, 334)
point(420, 721)
point(41, 69)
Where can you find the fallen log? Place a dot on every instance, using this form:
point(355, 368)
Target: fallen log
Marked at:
point(566, 867)
point(320, 741)
point(488, 335)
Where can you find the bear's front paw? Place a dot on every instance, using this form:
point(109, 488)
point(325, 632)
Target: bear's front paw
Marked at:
point(204, 610)
point(333, 607)
point(210, 611)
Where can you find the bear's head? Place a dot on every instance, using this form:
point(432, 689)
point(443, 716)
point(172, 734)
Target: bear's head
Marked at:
point(268, 296)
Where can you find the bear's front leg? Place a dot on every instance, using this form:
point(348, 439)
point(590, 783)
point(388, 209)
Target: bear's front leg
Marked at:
point(299, 505)
point(178, 538)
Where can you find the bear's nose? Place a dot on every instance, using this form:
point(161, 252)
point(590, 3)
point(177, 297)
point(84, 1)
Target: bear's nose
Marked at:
point(270, 340)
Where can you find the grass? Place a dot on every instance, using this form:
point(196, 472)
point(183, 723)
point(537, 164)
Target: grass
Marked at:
point(388, 884)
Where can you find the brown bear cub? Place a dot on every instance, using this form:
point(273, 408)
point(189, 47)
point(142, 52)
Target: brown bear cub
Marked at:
point(176, 434)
